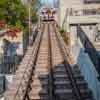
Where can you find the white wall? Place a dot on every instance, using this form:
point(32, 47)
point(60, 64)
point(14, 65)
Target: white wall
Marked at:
point(90, 32)
point(73, 35)
point(64, 4)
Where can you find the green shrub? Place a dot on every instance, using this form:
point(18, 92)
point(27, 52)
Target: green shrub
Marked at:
point(19, 25)
point(64, 36)
point(35, 19)
point(62, 31)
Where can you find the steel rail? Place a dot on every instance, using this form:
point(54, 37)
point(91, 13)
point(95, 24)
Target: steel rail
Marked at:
point(34, 63)
point(51, 87)
point(49, 62)
point(23, 82)
point(69, 71)
point(34, 53)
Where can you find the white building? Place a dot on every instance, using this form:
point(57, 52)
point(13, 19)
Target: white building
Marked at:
point(78, 7)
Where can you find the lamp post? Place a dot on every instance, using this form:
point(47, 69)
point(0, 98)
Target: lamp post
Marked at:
point(54, 3)
point(29, 8)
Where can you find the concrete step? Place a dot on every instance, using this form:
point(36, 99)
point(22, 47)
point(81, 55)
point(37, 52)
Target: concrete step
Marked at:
point(63, 86)
point(59, 73)
point(41, 62)
point(59, 69)
point(77, 72)
point(85, 92)
point(78, 76)
point(63, 91)
point(39, 89)
point(61, 76)
point(60, 82)
point(38, 96)
point(41, 69)
point(80, 82)
point(44, 86)
point(83, 86)
point(46, 72)
point(41, 72)
point(64, 97)
point(64, 94)
point(40, 76)
point(37, 92)
point(76, 67)
point(61, 66)
point(40, 82)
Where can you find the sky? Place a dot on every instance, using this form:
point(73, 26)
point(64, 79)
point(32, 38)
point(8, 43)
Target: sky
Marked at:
point(47, 2)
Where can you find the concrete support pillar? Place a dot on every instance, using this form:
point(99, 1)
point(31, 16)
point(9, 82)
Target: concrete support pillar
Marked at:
point(73, 40)
point(73, 35)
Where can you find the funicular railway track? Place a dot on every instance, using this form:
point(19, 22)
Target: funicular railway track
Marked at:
point(67, 83)
point(41, 77)
point(52, 77)
point(56, 79)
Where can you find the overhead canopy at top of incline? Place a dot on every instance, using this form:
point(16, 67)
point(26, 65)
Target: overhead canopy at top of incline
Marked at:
point(89, 19)
point(91, 1)
point(87, 6)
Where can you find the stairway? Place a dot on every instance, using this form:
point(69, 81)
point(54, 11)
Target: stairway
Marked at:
point(81, 83)
point(63, 88)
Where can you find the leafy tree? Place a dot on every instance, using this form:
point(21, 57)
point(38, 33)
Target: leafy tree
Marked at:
point(13, 11)
point(35, 6)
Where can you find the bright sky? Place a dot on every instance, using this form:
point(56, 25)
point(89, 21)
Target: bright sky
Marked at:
point(47, 2)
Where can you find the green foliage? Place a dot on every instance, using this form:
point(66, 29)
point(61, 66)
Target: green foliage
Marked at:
point(64, 36)
point(36, 5)
point(15, 13)
point(19, 25)
point(2, 3)
point(34, 19)
point(12, 11)
point(62, 31)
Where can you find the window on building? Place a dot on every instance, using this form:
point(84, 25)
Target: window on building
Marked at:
point(91, 1)
point(97, 36)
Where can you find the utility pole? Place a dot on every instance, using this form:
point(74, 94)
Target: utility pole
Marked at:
point(29, 4)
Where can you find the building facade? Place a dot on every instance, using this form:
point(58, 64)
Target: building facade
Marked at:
point(78, 8)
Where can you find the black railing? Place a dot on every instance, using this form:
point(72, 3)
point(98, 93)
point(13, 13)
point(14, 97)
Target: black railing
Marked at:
point(91, 1)
point(89, 48)
point(2, 84)
point(9, 64)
